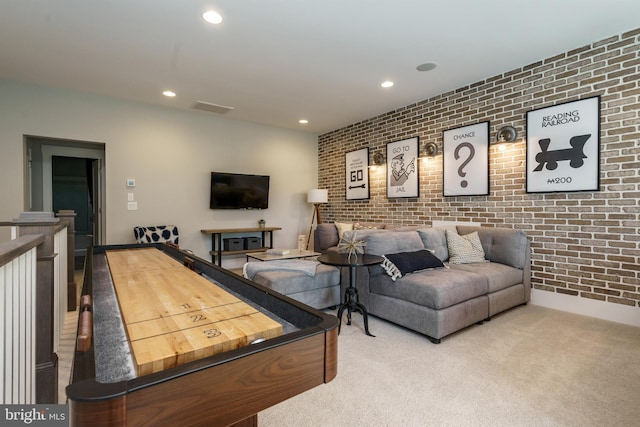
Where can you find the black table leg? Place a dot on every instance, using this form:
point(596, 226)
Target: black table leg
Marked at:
point(352, 303)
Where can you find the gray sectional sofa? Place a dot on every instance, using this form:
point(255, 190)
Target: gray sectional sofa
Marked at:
point(440, 301)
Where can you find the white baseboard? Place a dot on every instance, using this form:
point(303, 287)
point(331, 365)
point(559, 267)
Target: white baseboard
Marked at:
point(587, 307)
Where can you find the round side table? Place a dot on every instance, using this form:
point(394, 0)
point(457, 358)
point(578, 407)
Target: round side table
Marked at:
point(351, 300)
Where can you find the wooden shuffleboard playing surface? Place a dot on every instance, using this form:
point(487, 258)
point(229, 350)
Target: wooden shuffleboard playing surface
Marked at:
point(173, 315)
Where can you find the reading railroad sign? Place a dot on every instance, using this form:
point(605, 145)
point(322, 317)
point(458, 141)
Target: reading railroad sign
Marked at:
point(563, 147)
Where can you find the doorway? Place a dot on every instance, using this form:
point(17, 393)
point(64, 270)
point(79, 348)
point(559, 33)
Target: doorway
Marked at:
point(67, 174)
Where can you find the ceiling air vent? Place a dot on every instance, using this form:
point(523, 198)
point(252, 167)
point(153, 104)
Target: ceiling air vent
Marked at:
point(212, 108)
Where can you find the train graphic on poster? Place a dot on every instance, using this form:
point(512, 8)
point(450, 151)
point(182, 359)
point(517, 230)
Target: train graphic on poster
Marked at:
point(563, 147)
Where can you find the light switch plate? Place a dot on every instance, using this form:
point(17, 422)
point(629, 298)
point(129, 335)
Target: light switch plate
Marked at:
point(132, 206)
point(130, 197)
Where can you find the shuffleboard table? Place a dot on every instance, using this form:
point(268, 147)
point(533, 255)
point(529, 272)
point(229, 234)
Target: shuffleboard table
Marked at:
point(167, 338)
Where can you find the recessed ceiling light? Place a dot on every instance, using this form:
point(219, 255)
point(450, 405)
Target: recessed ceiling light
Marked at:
point(386, 83)
point(427, 66)
point(169, 93)
point(212, 17)
point(303, 121)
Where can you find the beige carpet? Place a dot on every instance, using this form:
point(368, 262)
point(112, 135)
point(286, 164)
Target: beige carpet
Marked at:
point(530, 366)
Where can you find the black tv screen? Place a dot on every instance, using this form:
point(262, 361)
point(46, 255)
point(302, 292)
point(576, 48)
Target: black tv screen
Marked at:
point(239, 191)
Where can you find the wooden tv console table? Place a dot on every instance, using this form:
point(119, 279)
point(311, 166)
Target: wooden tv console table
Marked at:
point(216, 241)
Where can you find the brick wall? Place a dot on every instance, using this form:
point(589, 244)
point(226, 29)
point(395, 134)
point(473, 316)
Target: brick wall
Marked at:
point(585, 244)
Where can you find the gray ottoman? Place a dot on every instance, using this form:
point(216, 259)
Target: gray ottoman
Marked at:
point(320, 291)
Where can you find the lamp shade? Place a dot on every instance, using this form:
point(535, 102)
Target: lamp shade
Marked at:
point(318, 196)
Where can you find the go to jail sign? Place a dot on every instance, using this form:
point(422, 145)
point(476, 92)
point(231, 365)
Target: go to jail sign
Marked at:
point(402, 168)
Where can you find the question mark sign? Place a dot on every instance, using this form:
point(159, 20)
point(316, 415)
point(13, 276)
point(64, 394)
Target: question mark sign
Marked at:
point(456, 154)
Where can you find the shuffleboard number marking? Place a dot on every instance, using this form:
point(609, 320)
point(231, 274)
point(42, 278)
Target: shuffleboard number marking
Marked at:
point(186, 306)
point(197, 318)
point(212, 333)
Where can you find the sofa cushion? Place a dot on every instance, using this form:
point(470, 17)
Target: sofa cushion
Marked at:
point(435, 239)
point(326, 236)
point(362, 234)
point(464, 249)
point(288, 282)
point(331, 250)
point(320, 291)
point(342, 227)
point(367, 226)
point(503, 245)
point(398, 264)
point(390, 242)
point(499, 276)
point(438, 288)
point(326, 239)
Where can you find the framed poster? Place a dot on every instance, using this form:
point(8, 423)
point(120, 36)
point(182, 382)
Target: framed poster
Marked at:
point(357, 174)
point(402, 168)
point(563, 147)
point(465, 160)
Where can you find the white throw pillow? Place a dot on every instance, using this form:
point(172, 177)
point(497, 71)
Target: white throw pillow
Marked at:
point(465, 249)
point(342, 227)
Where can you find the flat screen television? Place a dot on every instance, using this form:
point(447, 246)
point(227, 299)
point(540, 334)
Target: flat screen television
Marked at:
point(239, 191)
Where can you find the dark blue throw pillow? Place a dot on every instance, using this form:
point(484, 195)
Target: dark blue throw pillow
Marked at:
point(399, 264)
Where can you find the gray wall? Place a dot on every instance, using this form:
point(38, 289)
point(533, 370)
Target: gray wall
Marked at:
point(170, 153)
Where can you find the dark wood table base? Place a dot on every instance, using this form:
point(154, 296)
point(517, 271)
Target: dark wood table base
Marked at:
point(352, 303)
point(351, 300)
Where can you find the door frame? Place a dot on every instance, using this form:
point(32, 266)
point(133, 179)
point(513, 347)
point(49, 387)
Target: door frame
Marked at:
point(48, 151)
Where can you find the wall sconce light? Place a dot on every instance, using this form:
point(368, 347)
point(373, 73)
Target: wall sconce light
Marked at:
point(378, 159)
point(506, 134)
point(431, 149)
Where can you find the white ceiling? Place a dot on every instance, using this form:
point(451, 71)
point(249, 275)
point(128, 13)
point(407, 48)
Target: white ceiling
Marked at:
point(276, 61)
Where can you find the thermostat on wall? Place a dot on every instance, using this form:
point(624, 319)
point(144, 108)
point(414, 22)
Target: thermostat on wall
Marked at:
point(131, 182)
